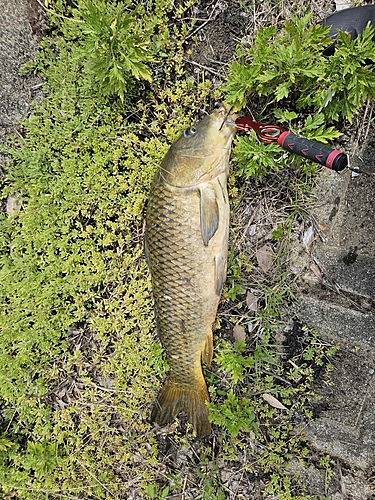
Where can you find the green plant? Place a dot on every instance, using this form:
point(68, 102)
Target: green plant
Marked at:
point(328, 464)
point(258, 70)
point(254, 158)
point(234, 414)
point(275, 295)
point(232, 286)
point(210, 482)
point(301, 71)
point(302, 78)
point(116, 50)
point(232, 359)
point(155, 492)
point(78, 354)
point(241, 409)
point(5, 444)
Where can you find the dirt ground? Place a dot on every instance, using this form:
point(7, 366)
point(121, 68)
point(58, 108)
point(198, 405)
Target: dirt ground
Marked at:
point(336, 286)
point(337, 300)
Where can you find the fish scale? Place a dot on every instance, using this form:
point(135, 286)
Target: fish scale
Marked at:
point(173, 259)
point(186, 244)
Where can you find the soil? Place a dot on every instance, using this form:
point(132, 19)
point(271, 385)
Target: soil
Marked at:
point(18, 44)
point(336, 297)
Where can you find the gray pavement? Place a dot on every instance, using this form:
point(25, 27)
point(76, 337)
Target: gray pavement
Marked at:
point(340, 306)
point(18, 44)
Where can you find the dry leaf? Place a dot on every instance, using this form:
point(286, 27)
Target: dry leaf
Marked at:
point(274, 402)
point(265, 258)
point(239, 332)
point(318, 273)
point(252, 326)
point(310, 235)
point(342, 4)
point(322, 227)
point(252, 301)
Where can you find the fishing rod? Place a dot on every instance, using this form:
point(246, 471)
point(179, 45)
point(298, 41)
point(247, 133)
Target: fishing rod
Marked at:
point(314, 151)
point(352, 20)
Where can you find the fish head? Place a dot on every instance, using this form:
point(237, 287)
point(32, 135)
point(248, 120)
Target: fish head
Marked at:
point(201, 152)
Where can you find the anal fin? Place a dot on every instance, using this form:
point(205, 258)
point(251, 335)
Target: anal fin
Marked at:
point(208, 351)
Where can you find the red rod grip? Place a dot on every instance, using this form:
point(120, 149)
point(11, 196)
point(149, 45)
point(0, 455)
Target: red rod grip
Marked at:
point(314, 151)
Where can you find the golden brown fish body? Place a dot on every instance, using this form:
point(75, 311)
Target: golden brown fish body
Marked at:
point(186, 243)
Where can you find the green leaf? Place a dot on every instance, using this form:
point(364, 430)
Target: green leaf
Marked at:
point(335, 86)
point(5, 444)
point(282, 91)
point(285, 115)
point(151, 491)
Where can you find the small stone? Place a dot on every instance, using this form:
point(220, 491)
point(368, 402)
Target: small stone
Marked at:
point(14, 203)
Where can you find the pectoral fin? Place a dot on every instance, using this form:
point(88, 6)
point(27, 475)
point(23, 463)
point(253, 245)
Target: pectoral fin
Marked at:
point(209, 212)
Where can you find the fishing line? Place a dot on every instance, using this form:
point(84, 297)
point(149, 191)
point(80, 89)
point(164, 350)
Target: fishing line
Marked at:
point(226, 116)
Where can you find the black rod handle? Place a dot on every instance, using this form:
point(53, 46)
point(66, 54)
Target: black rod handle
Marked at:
point(314, 151)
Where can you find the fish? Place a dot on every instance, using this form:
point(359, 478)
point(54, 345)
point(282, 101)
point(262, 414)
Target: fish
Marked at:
point(186, 245)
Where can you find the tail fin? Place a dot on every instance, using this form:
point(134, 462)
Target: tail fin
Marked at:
point(173, 398)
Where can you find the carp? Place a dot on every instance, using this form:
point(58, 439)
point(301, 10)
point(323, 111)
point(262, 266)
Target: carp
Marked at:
point(186, 244)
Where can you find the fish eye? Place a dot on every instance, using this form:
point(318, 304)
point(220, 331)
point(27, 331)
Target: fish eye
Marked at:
point(190, 131)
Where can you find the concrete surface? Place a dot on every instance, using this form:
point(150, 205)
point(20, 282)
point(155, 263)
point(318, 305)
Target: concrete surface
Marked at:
point(18, 44)
point(340, 306)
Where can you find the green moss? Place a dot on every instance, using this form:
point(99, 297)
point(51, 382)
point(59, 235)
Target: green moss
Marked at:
point(76, 313)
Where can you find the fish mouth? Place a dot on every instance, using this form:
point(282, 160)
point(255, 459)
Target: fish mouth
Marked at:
point(227, 117)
